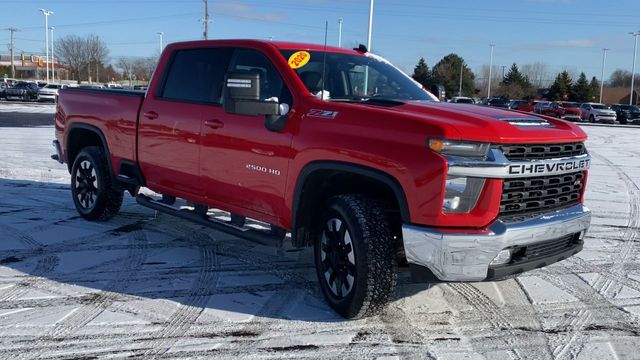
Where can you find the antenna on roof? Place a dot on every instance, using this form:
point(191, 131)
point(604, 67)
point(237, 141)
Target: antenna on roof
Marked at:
point(324, 60)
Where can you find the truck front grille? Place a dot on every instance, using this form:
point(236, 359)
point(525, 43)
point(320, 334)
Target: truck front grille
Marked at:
point(541, 151)
point(523, 198)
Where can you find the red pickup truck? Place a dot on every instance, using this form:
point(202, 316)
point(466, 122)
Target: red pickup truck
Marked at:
point(342, 150)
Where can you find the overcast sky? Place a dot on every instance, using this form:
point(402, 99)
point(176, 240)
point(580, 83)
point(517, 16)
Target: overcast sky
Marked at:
point(566, 34)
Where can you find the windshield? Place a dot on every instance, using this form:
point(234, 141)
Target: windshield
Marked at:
point(353, 77)
point(569, 105)
point(599, 107)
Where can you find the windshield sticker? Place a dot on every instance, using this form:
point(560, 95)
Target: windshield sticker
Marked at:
point(299, 59)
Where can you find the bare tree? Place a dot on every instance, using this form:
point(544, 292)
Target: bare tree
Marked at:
point(538, 74)
point(81, 53)
point(622, 78)
point(126, 65)
point(97, 52)
point(144, 67)
point(71, 50)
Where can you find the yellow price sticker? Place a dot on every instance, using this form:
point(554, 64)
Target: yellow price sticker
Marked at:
point(299, 59)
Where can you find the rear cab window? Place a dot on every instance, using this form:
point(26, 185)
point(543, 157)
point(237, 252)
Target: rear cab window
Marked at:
point(196, 75)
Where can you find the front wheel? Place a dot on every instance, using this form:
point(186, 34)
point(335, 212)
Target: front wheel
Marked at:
point(354, 256)
point(91, 186)
point(592, 119)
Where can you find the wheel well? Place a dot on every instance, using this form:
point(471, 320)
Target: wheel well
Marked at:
point(78, 139)
point(320, 185)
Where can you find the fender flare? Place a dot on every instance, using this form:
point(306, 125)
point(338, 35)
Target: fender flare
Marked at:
point(375, 174)
point(93, 129)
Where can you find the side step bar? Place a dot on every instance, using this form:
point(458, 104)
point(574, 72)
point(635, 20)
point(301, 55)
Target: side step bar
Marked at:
point(261, 237)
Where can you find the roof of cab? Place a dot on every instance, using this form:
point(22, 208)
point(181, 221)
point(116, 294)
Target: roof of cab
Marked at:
point(281, 45)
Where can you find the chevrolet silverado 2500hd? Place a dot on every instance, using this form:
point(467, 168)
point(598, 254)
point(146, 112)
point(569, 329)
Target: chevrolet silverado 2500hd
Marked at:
point(342, 150)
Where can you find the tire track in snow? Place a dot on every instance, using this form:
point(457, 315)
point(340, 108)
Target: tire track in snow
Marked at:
point(595, 295)
point(503, 329)
point(187, 313)
point(46, 264)
point(84, 314)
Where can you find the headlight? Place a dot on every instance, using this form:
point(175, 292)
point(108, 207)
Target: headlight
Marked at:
point(459, 148)
point(461, 194)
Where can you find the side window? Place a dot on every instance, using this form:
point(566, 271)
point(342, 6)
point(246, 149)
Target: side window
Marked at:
point(197, 75)
point(271, 84)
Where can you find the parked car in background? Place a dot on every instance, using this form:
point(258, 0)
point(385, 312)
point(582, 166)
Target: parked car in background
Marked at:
point(513, 104)
point(496, 102)
point(50, 92)
point(25, 91)
point(595, 112)
point(456, 99)
point(564, 110)
point(541, 107)
point(626, 113)
point(3, 89)
point(140, 87)
point(527, 106)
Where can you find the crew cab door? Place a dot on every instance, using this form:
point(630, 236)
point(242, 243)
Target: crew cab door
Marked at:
point(242, 163)
point(171, 117)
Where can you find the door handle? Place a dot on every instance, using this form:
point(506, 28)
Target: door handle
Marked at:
point(151, 115)
point(214, 123)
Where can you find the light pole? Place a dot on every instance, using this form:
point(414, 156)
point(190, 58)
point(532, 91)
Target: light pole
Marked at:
point(633, 72)
point(490, 72)
point(366, 69)
point(160, 34)
point(53, 62)
point(340, 32)
point(46, 36)
point(370, 25)
point(461, 68)
point(604, 60)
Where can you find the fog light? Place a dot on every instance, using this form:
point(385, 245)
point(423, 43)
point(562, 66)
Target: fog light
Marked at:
point(502, 258)
point(461, 194)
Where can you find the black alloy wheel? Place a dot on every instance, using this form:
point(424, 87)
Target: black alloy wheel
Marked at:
point(86, 183)
point(338, 258)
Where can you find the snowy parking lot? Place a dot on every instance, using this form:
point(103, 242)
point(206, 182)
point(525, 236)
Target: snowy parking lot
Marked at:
point(148, 285)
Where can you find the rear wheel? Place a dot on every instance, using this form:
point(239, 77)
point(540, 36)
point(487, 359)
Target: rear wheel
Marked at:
point(592, 119)
point(91, 186)
point(354, 256)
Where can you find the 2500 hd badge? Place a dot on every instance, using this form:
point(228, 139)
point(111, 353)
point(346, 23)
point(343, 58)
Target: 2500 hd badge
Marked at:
point(551, 168)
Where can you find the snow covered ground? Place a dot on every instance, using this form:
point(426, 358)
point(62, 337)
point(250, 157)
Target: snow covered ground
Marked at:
point(27, 107)
point(148, 285)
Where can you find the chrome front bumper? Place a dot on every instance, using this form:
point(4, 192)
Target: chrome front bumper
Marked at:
point(466, 257)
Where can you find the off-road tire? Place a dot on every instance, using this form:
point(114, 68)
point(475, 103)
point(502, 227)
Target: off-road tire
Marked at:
point(375, 277)
point(107, 200)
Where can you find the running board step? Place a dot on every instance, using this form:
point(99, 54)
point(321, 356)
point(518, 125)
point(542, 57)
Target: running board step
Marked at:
point(261, 237)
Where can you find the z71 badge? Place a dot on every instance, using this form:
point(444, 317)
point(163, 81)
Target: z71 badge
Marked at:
point(325, 114)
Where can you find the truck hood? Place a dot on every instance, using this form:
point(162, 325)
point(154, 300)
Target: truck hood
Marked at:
point(490, 124)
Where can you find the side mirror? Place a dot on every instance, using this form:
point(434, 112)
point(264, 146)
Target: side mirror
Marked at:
point(241, 95)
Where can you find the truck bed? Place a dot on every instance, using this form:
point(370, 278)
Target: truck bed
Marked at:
point(114, 112)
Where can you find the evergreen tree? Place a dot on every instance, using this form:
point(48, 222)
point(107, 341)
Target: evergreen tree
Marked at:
point(514, 76)
point(422, 74)
point(561, 87)
point(595, 89)
point(447, 73)
point(515, 85)
point(581, 90)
